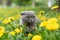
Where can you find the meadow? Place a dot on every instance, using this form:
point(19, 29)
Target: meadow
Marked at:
point(47, 29)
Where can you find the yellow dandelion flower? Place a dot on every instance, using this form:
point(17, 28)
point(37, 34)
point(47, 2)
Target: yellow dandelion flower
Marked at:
point(29, 35)
point(12, 33)
point(44, 23)
point(6, 21)
point(52, 20)
point(2, 29)
point(53, 26)
point(36, 37)
point(55, 7)
point(1, 34)
point(41, 12)
point(11, 18)
point(17, 30)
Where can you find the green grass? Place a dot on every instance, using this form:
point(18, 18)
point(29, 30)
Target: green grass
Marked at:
point(10, 12)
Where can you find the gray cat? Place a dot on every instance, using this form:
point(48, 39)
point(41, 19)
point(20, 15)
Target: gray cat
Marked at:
point(29, 19)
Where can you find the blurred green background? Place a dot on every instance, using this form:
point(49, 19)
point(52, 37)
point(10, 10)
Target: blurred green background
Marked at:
point(45, 10)
point(42, 3)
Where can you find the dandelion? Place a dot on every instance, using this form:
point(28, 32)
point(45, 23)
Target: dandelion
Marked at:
point(6, 21)
point(17, 30)
point(11, 18)
point(2, 31)
point(55, 7)
point(44, 23)
point(52, 20)
point(52, 26)
point(1, 34)
point(41, 12)
point(29, 35)
point(36, 37)
point(12, 33)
